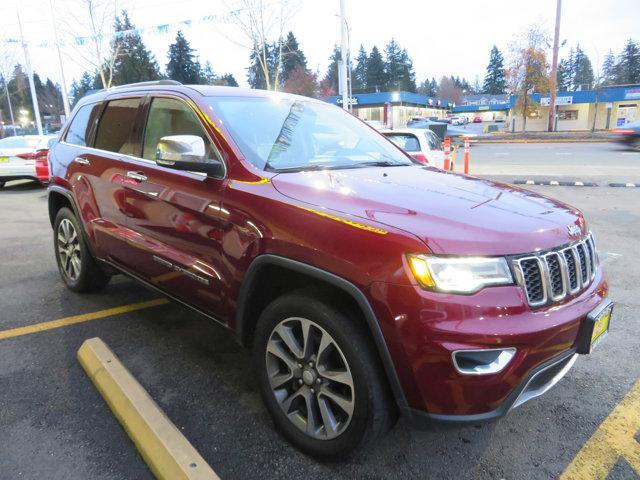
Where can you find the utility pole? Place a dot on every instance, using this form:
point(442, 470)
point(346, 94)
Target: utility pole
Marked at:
point(32, 87)
point(65, 92)
point(554, 70)
point(342, 70)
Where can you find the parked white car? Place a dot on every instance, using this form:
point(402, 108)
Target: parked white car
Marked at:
point(421, 143)
point(25, 157)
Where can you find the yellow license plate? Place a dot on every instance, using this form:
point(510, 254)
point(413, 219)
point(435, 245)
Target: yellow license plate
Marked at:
point(601, 327)
point(4, 159)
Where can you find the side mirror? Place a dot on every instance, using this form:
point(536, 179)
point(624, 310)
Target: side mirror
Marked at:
point(186, 152)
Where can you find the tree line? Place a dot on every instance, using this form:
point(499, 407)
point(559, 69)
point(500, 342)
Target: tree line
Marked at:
point(282, 65)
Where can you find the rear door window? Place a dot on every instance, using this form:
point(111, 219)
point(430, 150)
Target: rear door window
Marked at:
point(81, 125)
point(116, 128)
point(406, 141)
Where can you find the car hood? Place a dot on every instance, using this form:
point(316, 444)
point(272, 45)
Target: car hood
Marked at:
point(452, 214)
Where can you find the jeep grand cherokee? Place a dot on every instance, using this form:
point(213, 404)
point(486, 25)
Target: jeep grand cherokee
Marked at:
point(365, 283)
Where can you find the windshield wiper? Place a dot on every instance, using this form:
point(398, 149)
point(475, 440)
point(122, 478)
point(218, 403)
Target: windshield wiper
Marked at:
point(299, 168)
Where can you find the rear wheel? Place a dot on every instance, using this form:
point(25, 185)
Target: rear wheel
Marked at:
point(76, 265)
point(636, 144)
point(320, 377)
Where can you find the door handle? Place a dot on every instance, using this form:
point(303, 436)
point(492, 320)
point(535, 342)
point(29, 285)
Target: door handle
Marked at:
point(136, 176)
point(81, 161)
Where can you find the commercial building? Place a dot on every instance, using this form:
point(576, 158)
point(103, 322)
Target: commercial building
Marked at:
point(394, 108)
point(603, 108)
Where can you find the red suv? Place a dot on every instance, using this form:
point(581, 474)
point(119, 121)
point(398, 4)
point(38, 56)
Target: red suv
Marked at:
point(366, 284)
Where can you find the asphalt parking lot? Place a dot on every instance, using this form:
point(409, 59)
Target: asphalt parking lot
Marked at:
point(55, 425)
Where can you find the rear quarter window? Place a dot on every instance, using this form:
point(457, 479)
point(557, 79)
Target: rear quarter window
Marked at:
point(83, 121)
point(407, 142)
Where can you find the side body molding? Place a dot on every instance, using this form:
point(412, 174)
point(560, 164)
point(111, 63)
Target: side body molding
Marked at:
point(338, 282)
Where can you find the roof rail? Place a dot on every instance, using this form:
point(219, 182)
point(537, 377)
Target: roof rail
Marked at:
point(147, 84)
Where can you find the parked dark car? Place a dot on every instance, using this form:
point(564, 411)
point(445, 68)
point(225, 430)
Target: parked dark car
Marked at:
point(365, 283)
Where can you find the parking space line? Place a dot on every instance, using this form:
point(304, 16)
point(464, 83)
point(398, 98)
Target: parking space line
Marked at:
point(614, 438)
point(84, 317)
point(164, 448)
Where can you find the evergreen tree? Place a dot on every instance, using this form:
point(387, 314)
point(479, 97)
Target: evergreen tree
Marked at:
point(570, 69)
point(376, 73)
point(609, 69)
point(183, 66)
point(208, 76)
point(563, 75)
point(428, 87)
point(134, 63)
point(80, 88)
point(630, 63)
point(255, 72)
point(359, 75)
point(227, 80)
point(331, 78)
point(292, 57)
point(582, 70)
point(495, 81)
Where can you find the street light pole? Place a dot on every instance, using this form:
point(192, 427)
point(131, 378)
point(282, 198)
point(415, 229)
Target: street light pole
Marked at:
point(32, 87)
point(65, 92)
point(343, 59)
point(554, 70)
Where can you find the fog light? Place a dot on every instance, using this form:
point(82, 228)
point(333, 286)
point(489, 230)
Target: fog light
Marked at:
point(482, 362)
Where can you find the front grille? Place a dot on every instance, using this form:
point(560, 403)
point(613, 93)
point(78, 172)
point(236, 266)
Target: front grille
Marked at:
point(550, 276)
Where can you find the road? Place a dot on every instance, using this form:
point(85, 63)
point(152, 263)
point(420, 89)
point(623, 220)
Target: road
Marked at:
point(593, 162)
point(55, 425)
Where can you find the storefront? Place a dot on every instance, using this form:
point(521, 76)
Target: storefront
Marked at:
point(393, 109)
point(601, 109)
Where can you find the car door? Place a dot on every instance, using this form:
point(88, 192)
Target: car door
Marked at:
point(175, 216)
point(97, 138)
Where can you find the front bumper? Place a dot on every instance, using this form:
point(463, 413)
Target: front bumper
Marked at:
point(423, 329)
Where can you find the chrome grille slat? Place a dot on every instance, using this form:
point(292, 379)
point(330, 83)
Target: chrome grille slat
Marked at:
point(550, 276)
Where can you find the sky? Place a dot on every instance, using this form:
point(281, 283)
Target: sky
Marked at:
point(441, 37)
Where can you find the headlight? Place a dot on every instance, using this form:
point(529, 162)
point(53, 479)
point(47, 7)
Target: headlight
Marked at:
point(459, 274)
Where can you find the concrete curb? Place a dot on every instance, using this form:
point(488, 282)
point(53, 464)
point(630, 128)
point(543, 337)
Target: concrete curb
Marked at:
point(544, 140)
point(561, 183)
point(555, 183)
point(164, 448)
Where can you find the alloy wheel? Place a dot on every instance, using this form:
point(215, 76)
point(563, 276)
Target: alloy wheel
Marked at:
point(69, 249)
point(310, 378)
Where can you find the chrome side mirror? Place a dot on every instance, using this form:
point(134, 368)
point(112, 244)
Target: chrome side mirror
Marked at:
point(186, 152)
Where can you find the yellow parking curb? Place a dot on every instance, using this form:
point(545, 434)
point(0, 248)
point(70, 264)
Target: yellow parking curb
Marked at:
point(166, 451)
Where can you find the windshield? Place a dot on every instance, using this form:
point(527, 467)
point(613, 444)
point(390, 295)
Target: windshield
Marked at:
point(19, 142)
point(283, 134)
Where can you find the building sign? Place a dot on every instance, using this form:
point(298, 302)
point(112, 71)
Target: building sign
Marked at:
point(350, 101)
point(632, 93)
point(545, 101)
point(483, 107)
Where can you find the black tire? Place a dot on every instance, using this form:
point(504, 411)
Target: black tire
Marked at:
point(2, 184)
point(373, 409)
point(88, 276)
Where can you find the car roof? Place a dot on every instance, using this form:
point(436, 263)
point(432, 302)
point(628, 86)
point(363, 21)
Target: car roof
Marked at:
point(203, 90)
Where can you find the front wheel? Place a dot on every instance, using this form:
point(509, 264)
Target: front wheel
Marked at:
point(76, 265)
point(320, 376)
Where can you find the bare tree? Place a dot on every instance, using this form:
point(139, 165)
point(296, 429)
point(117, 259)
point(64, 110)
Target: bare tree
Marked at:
point(8, 60)
point(528, 70)
point(89, 28)
point(262, 24)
